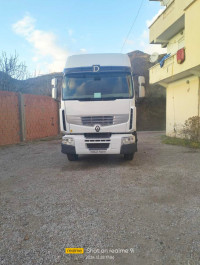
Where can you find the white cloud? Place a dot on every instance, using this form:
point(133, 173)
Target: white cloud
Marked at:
point(25, 26)
point(129, 45)
point(142, 42)
point(70, 32)
point(130, 42)
point(149, 22)
point(73, 40)
point(145, 34)
point(83, 50)
point(71, 36)
point(150, 48)
point(35, 59)
point(50, 55)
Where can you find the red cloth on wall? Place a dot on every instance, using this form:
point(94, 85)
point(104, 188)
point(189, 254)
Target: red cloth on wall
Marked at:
point(180, 55)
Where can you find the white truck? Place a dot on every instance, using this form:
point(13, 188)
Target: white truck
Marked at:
point(98, 113)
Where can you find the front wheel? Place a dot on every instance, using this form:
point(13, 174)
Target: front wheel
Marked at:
point(129, 156)
point(72, 157)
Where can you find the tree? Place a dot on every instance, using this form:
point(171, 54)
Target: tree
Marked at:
point(11, 68)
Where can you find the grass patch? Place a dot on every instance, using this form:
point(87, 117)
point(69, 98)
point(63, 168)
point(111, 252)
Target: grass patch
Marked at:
point(179, 141)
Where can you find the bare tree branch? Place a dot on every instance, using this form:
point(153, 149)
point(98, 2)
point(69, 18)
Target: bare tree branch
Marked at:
point(11, 68)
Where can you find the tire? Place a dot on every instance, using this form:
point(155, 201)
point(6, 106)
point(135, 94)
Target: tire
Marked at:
point(72, 157)
point(129, 156)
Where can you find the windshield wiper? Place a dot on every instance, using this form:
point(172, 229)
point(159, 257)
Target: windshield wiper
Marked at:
point(97, 99)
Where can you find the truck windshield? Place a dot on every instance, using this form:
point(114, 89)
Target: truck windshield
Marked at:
point(101, 86)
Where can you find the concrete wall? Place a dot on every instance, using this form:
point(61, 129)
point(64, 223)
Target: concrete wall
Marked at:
point(176, 43)
point(191, 41)
point(192, 36)
point(182, 103)
point(27, 117)
point(181, 80)
point(168, 17)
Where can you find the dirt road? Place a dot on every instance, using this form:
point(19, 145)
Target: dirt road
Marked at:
point(145, 211)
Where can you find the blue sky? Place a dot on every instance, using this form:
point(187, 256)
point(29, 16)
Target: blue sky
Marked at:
point(44, 33)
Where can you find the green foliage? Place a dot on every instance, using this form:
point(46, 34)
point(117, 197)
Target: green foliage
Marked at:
point(180, 142)
point(191, 129)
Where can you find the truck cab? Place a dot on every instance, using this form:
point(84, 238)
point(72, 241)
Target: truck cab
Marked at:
point(98, 113)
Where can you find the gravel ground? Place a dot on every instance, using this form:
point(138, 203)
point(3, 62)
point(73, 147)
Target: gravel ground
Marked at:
point(148, 207)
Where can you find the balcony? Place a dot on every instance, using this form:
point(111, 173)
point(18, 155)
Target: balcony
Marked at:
point(168, 24)
point(179, 14)
point(172, 71)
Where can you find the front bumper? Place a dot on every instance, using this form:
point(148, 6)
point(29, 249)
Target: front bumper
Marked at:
point(128, 148)
point(68, 149)
point(98, 145)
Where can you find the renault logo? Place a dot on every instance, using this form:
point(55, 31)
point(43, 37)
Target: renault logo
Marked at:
point(97, 128)
point(96, 68)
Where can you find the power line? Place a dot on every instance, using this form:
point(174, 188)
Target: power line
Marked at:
point(142, 1)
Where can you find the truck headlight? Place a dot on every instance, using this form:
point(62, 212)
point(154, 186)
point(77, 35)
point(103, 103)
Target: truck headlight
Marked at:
point(68, 140)
point(128, 140)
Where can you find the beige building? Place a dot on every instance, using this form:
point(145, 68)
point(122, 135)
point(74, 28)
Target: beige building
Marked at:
point(178, 29)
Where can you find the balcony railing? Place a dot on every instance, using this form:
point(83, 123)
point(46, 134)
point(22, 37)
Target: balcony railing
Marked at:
point(171, 71)
point(158, 74)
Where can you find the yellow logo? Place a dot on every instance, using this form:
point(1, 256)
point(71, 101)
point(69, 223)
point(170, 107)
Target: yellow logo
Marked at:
point(74, 250)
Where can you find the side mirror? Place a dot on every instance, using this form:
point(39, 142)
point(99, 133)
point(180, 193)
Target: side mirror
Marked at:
point(54, 82)
point(141, 82)
point(141, 91)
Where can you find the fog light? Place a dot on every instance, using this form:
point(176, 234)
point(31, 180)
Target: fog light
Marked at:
point(128, 140)
point(68, 140)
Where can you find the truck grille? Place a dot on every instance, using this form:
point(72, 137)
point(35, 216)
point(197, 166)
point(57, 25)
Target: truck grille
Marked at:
point(97, 135)
point(98, 146)
point(97, 141)
point(101, 120)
